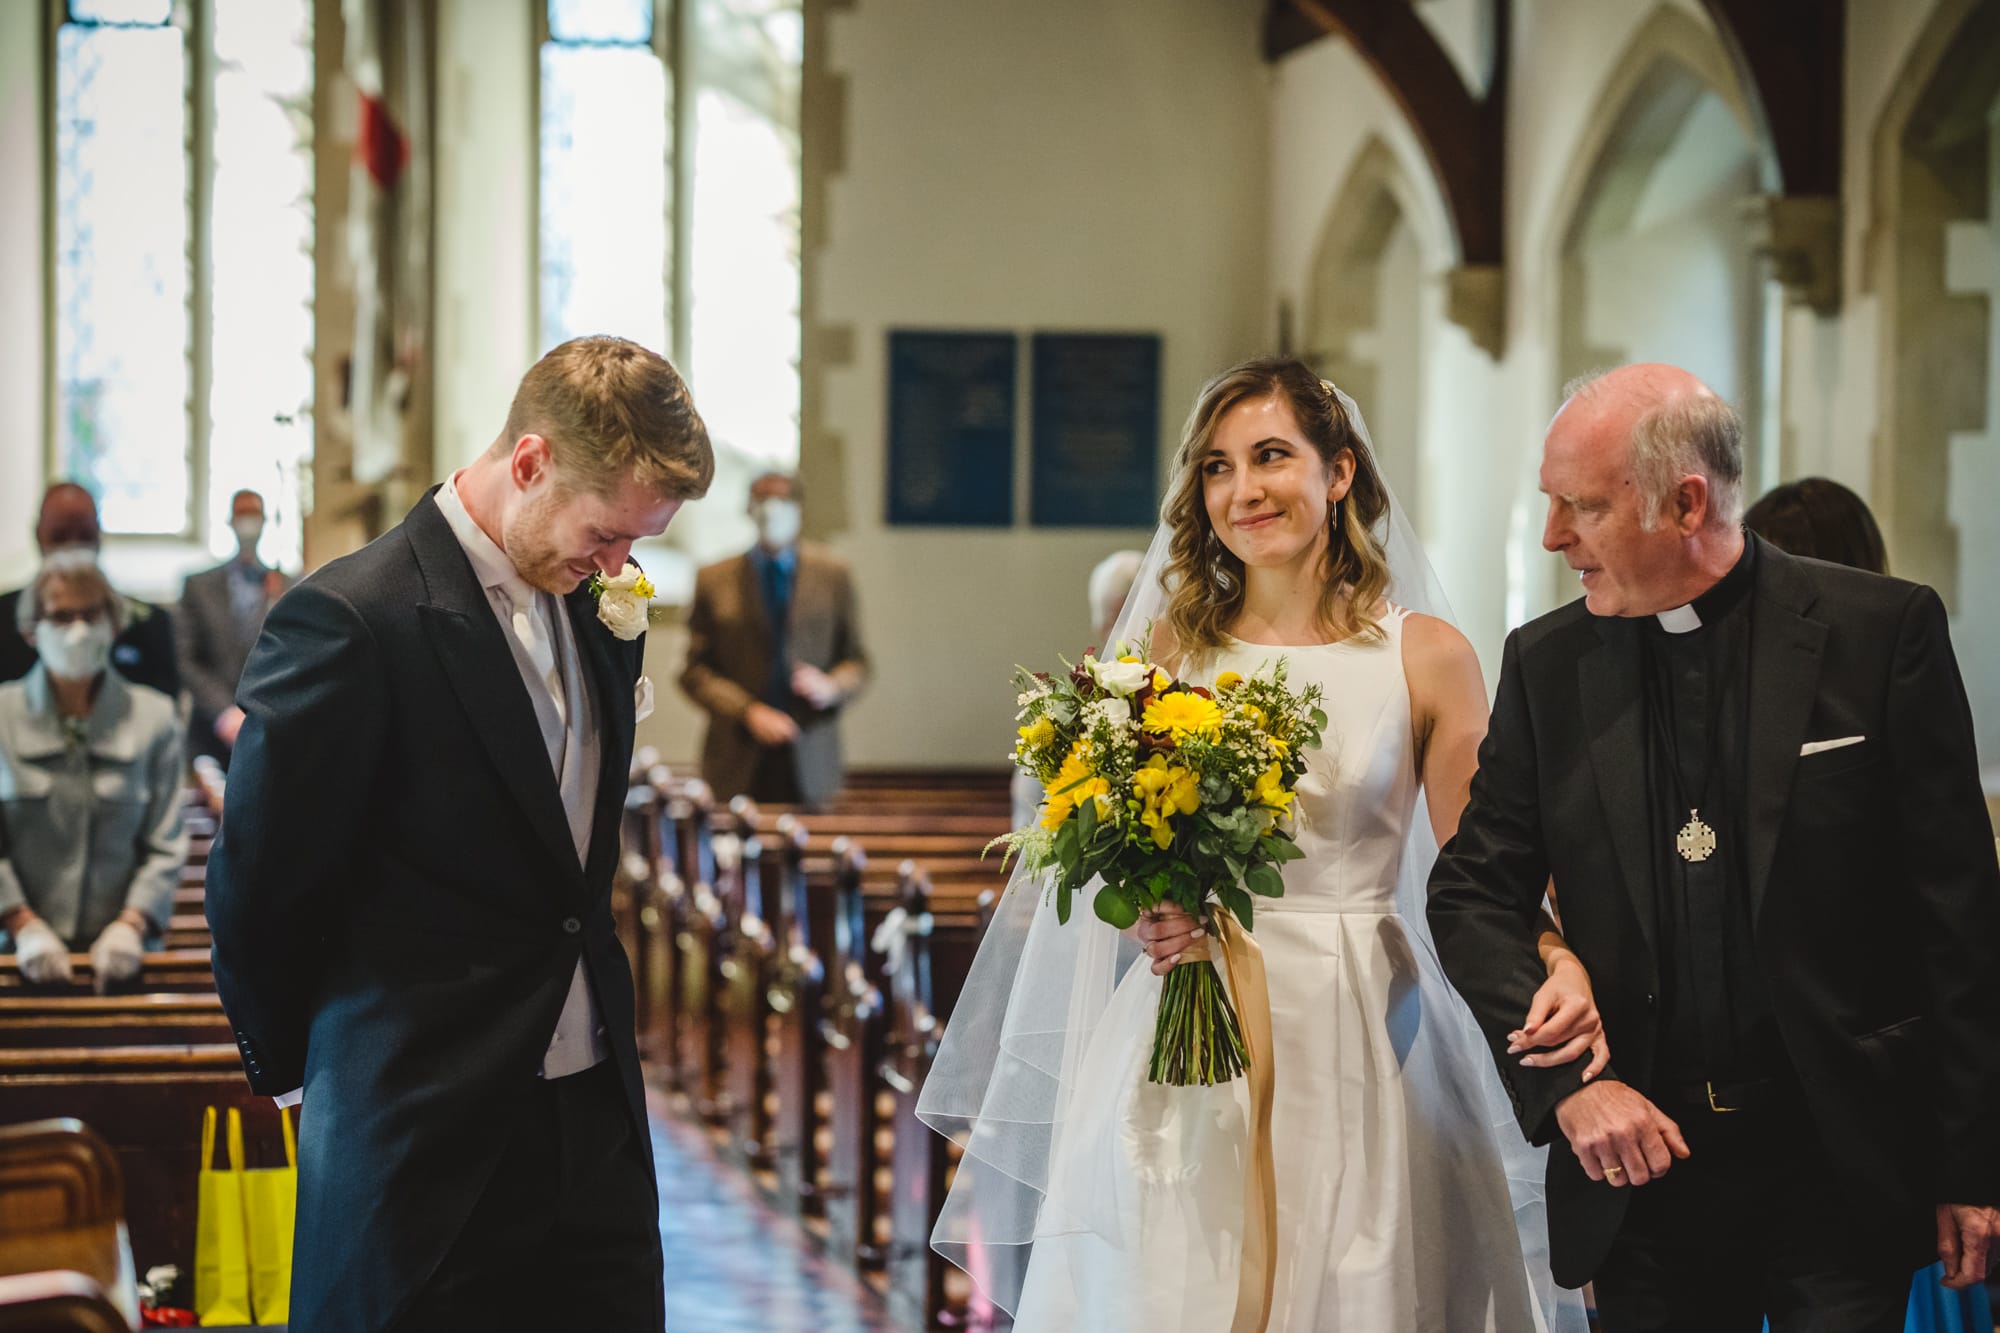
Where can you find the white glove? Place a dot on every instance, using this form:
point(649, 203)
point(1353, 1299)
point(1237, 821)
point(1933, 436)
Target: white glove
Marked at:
point(116, 955)
point(43, 956)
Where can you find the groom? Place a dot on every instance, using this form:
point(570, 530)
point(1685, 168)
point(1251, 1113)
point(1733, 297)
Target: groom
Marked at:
point(410, 896)
point(1753, 780)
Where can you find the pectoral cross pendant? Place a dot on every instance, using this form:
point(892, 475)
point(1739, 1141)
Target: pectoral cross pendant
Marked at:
point(1696, 840)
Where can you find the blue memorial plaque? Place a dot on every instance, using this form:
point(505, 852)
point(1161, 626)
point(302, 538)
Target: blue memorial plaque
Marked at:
point(951, 428)
point(1096, 450)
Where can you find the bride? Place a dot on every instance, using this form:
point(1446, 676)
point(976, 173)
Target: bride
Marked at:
point(1405, 1200)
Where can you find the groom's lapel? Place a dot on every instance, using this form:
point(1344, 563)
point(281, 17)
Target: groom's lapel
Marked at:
point(1614, 713)
point(600, 653)
point(480, 666)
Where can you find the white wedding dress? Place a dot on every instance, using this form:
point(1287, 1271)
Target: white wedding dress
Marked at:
point(1393, 1206)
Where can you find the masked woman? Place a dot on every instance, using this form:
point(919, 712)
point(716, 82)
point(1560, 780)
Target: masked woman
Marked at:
point(91, 841)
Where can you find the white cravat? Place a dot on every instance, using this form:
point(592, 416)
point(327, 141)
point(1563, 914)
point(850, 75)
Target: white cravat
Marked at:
point(527, 615)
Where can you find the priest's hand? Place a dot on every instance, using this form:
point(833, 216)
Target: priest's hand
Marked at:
point(1619, 1136)
point(1968, 1242)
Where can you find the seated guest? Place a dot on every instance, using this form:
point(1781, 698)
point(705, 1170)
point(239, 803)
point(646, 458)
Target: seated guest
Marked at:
point(221, 612)
point(774, 651)
point(91, 842)
point(67, 532)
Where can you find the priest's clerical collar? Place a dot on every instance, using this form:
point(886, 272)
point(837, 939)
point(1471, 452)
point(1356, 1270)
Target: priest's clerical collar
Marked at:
point(1727, 594)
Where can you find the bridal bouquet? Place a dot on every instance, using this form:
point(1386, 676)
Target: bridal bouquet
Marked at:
point(1166, 792)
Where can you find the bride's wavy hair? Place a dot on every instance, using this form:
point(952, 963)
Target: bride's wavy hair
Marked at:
point(1206, 578)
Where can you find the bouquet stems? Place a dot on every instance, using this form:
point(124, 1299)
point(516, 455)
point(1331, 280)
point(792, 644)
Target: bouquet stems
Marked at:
point(1196, 1039)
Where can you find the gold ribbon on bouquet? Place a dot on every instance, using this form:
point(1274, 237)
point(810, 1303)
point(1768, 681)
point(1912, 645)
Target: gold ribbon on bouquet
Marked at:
point(1243, 965)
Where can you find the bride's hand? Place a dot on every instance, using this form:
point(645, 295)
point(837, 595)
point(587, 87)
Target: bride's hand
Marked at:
point(1165, 933)
point(1562, 1023)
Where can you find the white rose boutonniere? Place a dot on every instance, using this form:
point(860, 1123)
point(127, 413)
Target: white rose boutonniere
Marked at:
point(621, 601)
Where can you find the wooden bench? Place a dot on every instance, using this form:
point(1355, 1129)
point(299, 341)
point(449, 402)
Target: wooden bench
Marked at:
point(146, 1102)
point(58, 1301)
point(62, 1206)
point(167, 970)
point(151, 1018)
point(923, 989)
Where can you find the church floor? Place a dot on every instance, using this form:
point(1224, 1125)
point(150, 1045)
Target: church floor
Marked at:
point(735, 1265)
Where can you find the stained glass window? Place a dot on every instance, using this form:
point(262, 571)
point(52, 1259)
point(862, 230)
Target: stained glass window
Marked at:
point(121, 271)
point(604, 129)
point(134, 214)
point(261, 378)
point(744, 253)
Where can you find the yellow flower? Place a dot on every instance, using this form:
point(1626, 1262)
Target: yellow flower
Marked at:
point(1161, 679)
point(1037, 734)
point(1228, 680)
point(1128, 657)
point(1164, 790)
point(1075, 781)
point(1183, 715)
point(1270, 791)
point(643, 588)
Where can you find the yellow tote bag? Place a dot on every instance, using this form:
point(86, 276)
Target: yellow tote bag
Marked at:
point(270, 1199)
point(221, 1258)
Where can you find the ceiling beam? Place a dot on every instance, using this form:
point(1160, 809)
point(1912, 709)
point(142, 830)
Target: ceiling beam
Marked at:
point(1463, 134)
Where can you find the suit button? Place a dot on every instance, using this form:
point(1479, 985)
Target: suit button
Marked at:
point(571, 925)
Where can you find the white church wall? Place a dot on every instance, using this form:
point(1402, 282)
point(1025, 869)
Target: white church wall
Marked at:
point(1033, 166)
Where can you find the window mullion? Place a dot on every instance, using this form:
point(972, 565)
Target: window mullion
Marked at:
point(679, 26)
point(201, 256)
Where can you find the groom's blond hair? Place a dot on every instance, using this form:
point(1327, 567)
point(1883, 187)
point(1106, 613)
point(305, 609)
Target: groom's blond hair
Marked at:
point(610, 408)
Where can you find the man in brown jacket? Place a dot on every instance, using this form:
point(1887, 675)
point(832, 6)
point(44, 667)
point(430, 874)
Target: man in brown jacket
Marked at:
point(774, 650)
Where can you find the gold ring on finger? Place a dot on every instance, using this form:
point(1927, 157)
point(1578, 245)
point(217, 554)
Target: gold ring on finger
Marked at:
point(1610, 1171)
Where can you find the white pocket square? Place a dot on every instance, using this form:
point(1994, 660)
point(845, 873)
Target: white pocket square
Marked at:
point(642, 700)
point(1815, 747)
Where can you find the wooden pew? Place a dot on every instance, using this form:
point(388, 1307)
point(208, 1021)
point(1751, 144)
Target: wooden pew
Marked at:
point(923, 988)
point(701, 943)
point(184, 970)
point(62, 1206)
point(749, 941)
point(855, 1031)
point(30, 1019)
point(146, 1102)
point(58, 1301)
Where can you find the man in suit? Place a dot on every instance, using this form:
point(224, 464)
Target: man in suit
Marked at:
point(67, 530)
point(1753, 780)
point(774, 650)
point(221, 612)
point(410, 896)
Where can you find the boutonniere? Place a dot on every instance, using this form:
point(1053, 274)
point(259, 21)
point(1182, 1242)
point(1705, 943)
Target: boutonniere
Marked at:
point(621, 601)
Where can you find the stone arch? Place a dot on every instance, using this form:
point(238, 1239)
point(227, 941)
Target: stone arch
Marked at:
point(1648, 248)
point(1366, 306)
point(1932, 257)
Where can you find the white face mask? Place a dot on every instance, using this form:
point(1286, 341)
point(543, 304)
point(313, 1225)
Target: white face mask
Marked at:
point(69, 557)
point(77, 651)
point(777, 521)
point(248, 531)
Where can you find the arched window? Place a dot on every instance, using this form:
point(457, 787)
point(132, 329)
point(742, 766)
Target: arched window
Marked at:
point(180, 332)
